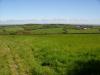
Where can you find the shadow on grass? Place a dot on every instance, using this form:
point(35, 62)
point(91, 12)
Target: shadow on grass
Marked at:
point(90, 67)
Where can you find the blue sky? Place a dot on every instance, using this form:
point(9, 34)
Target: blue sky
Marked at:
point(73, 10)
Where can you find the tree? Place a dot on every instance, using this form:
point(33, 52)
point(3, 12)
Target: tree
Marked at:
point(65, 31)
point(99, 30)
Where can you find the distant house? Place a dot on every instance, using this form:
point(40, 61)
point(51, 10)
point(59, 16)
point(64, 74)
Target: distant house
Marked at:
point(83, 27)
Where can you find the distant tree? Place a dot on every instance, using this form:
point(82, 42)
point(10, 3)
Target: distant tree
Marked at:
point(3, 30)
point(65, 31)
point(99, 30)
point(12, 33)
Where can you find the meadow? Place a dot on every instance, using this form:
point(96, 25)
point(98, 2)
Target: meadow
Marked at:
point(55, 54)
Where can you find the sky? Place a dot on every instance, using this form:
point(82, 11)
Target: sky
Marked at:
point(68, 11)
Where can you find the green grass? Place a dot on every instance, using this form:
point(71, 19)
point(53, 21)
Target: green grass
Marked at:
point(60, 31)
point(48, 31)
point(46, 54)
point(13, 29)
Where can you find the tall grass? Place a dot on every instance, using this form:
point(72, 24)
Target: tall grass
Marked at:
point(46, 54)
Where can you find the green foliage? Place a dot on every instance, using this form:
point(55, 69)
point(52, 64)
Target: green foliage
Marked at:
point(90, 67)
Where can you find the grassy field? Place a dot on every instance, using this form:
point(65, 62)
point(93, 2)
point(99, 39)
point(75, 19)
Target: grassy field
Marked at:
point(47, 29)
point(46, 54)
